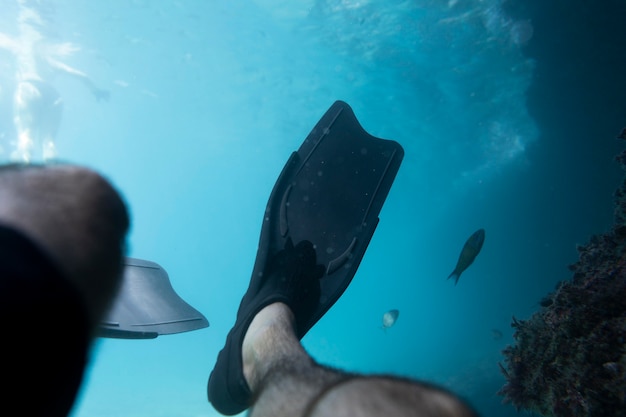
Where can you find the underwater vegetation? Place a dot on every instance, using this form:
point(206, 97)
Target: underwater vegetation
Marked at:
point(569, 358)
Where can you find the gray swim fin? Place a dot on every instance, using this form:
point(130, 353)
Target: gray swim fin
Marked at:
point(147, 306)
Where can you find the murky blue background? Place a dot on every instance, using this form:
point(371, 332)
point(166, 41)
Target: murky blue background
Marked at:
point(507, 111)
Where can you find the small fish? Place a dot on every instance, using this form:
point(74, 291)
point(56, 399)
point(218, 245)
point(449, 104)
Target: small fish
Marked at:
point(472, 247)
point(389, 318)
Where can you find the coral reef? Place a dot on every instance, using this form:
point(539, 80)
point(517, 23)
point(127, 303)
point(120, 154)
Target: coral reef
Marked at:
point(569, 358)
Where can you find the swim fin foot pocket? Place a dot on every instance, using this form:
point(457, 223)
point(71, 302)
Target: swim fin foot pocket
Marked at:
point(327, 200)
point(296, 275)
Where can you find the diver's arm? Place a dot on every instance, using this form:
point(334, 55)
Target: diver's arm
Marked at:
point(99, 93)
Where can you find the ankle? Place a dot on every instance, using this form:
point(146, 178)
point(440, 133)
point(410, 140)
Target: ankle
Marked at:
point(267, 339)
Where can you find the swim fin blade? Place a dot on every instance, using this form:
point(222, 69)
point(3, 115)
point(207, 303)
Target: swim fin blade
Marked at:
point(147, 305)
point(330, 193)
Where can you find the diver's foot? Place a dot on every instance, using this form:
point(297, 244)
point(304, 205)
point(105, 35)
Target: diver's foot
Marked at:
point(286, 294)
point(271, 331)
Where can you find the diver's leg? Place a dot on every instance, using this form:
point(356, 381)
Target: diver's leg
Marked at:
point(77, 218)
point(62, 233)
point(283, 377)
point(287, 382)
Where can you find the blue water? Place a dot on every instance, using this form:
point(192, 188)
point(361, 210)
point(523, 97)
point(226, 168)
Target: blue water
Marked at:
point(507, 112)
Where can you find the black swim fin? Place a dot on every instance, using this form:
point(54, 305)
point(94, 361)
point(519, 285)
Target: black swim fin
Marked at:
point(147, 306)
point(330, 193)
point(317, 225)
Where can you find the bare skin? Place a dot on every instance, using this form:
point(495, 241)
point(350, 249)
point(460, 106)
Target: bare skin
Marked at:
point(287, 382)
point(76, 216)
point(80, 220)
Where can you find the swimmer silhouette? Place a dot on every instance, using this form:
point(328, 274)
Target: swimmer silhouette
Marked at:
point(37, 105)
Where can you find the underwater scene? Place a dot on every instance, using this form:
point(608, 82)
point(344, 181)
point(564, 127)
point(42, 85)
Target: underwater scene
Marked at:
point(497, 270)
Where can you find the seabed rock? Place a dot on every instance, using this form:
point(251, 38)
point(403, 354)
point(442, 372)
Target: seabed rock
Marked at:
point(569, 358)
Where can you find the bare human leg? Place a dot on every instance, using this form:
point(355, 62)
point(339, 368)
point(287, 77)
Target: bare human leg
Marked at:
point(62, 233)
point(287, 382)
point(77, 217)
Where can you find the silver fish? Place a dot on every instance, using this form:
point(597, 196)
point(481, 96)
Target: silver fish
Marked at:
point(471, 249)
point(389, 318)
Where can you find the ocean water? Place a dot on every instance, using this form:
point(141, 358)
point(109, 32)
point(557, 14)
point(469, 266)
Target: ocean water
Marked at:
point(507, 111)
